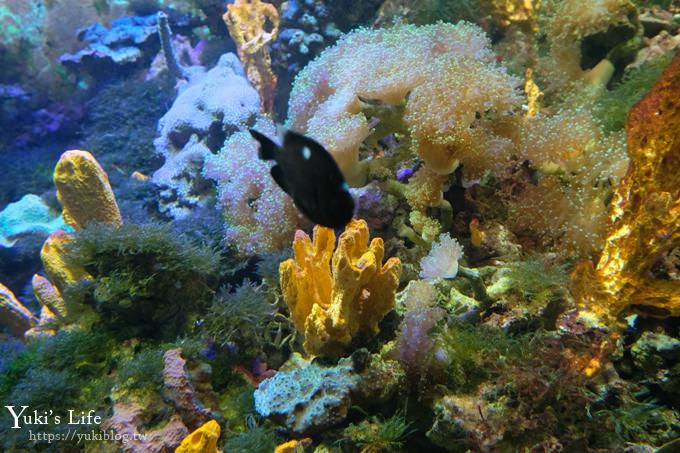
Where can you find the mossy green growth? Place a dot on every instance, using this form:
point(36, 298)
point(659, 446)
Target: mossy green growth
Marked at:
point(143, 371)
point(69, 371)
point(147, 282)
point(472, 354)
point(239, 315)
point(257, 439)
point(377, 434)
point(613, 107)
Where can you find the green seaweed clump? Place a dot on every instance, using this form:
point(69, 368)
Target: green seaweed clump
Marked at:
point(471, 354)
point(613, 107)
point(240, 316)
point(143, 371)
point(380, 434)
point(257, 439)
point(147, 281)
point(69, 371)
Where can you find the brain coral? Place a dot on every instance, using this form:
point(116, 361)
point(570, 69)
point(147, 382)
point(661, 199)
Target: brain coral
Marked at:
point(449, 71)
point(260, 216)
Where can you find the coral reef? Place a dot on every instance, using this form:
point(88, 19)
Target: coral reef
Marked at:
point(644, 213)
point(253, 24)
point(414, 346)
point(84, 191)
point(145, 280)
point(442, 261)
point(208, 109)
point(374, 64)
point(260, 217)
point(332, 304)
point(128, 45)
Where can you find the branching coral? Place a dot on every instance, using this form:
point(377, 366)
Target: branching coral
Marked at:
point(260, 216)
point(252, 25)
point(645, 212)
point(332, 304)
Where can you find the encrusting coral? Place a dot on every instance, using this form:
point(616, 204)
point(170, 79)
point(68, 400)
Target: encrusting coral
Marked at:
point(645, 213)
point(248, 22)
point(84, 191)
point(333, 296)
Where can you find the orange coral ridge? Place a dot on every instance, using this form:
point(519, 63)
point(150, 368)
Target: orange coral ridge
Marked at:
point(645, 212)
point(330, 304)
point(246, 21)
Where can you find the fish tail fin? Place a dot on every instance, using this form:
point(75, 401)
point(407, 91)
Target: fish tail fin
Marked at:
point(267, 146)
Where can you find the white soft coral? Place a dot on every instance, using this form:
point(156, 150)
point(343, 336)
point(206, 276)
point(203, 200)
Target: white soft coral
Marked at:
point(442, 261)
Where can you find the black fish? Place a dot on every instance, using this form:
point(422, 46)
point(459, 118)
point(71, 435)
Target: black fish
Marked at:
point(309, 174)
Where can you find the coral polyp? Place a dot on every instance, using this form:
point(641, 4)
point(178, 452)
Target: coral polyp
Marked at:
point(261, 226)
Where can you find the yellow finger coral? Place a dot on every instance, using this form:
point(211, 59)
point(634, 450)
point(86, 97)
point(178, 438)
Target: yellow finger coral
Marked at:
point(645, 213)
point(333, 296)
point(84, 191)
point(202, 440)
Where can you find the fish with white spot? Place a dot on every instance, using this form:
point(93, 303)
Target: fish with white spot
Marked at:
point(307, 172)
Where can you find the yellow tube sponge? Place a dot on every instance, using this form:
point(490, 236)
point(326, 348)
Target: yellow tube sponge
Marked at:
point(333, 296)
point(202, 440)
point(84, 191)
point(48, 295)
point(60, 272)
point(645, 213)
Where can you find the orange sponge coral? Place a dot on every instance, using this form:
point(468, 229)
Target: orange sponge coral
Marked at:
point(645, 215)
point(331, 304)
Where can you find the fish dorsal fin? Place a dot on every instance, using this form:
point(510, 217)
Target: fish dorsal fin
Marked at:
point(268, 148)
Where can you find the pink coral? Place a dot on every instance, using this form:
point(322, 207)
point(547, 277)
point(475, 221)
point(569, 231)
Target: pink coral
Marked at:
point(260, 216)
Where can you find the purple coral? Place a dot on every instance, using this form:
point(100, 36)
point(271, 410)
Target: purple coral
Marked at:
point(414, 345)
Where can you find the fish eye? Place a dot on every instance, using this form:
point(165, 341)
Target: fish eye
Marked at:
point(306, 153)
